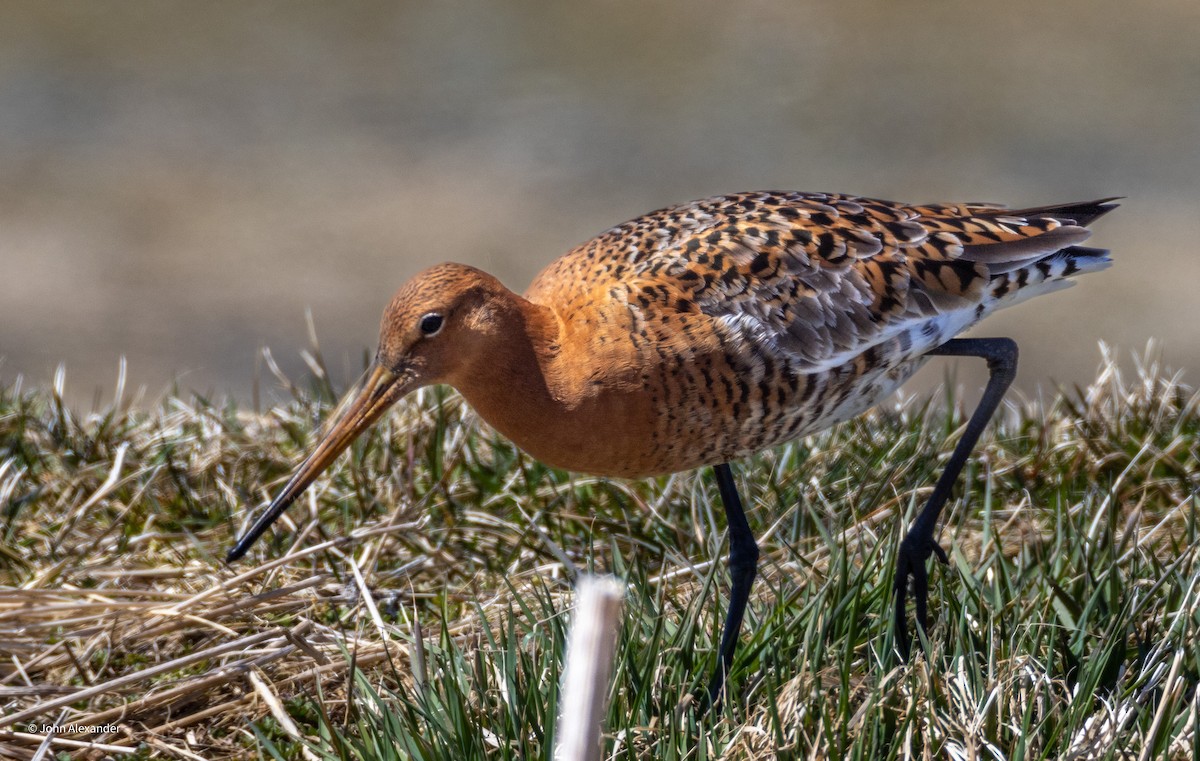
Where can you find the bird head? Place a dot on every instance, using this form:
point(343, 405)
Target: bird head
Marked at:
point(436, 326)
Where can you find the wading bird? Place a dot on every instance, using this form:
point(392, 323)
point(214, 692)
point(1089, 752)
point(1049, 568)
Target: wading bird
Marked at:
point(700, 333)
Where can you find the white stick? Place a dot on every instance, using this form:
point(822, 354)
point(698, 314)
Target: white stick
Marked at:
point(590, 649)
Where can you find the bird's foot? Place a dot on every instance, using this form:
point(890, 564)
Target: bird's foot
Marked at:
point(911, 564)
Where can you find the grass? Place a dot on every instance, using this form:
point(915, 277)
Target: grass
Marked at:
point(415, 604)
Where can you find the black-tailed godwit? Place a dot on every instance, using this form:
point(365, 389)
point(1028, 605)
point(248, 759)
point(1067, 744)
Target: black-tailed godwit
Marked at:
point(703, 332)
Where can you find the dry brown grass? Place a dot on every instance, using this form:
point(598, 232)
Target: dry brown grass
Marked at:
point(116, 609)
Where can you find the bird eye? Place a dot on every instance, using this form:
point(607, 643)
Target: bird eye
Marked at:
point(431, 324)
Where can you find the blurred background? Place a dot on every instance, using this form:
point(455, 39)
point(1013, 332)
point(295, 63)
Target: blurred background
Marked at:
point(181, 180)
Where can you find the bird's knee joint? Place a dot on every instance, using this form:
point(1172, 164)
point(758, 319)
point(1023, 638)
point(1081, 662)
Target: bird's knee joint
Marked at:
point(1004, 356)
point(744, 561)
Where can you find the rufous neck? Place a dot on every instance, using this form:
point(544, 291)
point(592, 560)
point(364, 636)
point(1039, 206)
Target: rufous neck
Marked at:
point(513, 383)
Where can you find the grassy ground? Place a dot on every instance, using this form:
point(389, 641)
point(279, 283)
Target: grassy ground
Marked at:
point(423, 615)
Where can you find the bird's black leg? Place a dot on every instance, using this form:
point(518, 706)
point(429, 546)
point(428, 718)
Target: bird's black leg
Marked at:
point(919, 543)
point(743, 566)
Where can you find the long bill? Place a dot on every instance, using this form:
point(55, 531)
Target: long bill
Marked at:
point(379, 391)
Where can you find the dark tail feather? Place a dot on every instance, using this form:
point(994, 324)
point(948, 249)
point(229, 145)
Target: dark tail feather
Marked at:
point(1082, 214)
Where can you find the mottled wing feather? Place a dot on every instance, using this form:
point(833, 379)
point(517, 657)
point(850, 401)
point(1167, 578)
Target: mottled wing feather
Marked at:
point(820, 277)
